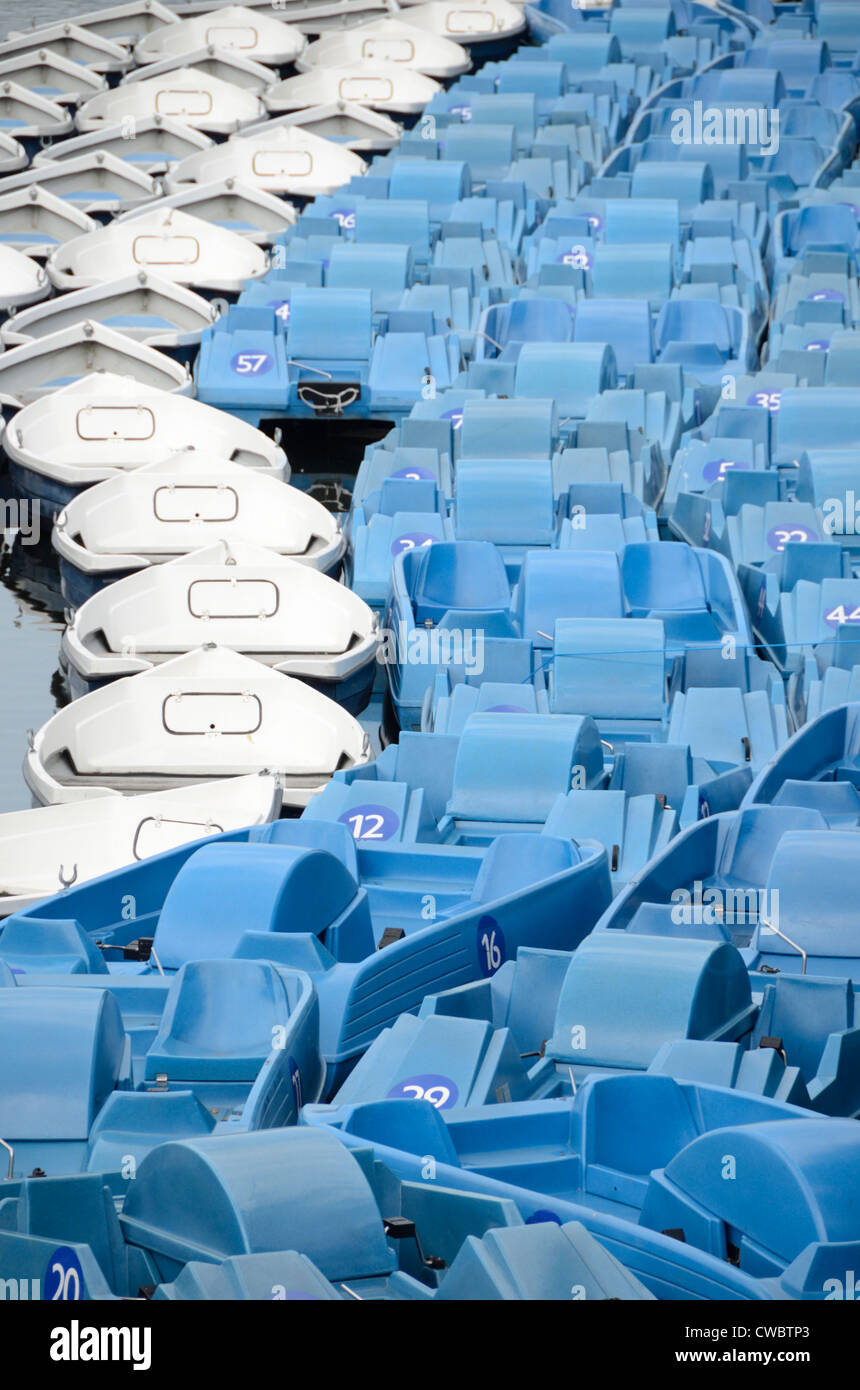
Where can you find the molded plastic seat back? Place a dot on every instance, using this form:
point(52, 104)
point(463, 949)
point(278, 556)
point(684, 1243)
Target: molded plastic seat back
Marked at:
point(574, 584)
point(512, 767)
point(613, 668)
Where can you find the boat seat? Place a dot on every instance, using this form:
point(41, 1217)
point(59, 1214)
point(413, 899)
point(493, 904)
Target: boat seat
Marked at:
point(662, 577)
point(219, 1022)
point(223, 890)
point(250, 1277)
point(803, 1013)
point(326, 325)
point(660, 768)
point(59, 947)
point(643, 220)
point(524, 321)
point(490, 697)
point(566, 585)
point(260, 1192)
point(613, 668)
point(539, 1261)
point(571, 373)
point(380, 220)
point(506, 501)
point(369, 813)
point(625, 324)
point(513, 862)
point(629, 271)
point(508, 429)
point(813, 873)
point(624, 995)
point(512, 770)
point(62, 1053)
point(468, 574)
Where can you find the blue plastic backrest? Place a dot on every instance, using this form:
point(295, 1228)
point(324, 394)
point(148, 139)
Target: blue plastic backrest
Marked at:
point(508, 429)
point(823, 225)
point(759, 85)
point(693, 321)
point(480, 146)
point(624, 323)
point(61, 1053)
point(643, 220)
point(442, 181)
point(511, 767)
point(542, 78)
point(624, 995)
point(567, 585)
point(352, 266)
point(691, 182)
point(329, 325)
point(530, 321)
point(610, 667)
point(572, 373)
point(507, 501)
point(223, 890)
point(803, 1012)
point(219, 1021)
point(632, 1124)
point(514, 862)
point(659, 578)
point(383, 221)
point(279, 1189)
point(461, 574)
point(827, 417)
point(59, 944)
point(814, 874)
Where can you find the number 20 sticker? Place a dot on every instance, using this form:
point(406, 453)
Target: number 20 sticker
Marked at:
point(64, 1278)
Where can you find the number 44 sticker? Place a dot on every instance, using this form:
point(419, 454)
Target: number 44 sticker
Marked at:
point(842, 613)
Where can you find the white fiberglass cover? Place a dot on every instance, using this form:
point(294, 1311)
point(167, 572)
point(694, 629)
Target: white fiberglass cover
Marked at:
point(245, 31)
point(241, 596)
point(383, 86)
point(469, 21)
point(22, 280)
point(157, 143)
point(166, 241)
point(40, 850)
point(277, 158)
point(210, 713)
point(141, 306)
point(52, 76)
point(13, 156)
point(39, 368)
point(124, 22)
point(388, 41)
point(188, 95)
point(350, 126)
point(251, 212)
point(105, 424)
point(189, 500)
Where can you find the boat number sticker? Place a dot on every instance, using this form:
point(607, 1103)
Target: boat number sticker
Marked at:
point(716, 469)
point(818, 296)
point(506, 709)
point(778, 537)
point(455, 416)
point(64, 1278)
point(820, 345)
point(282, 310)
point(412, 540)
point(578, 257)
point(491, 945)
point(371, 822)
point(769, 400)
point(842, 613)
point(441, 1091)
point(415, 473)
point(344, 219)
point(538, 1217)
point(251, 363)
point(595, 222)
point(295, 1083)
point(464, 112)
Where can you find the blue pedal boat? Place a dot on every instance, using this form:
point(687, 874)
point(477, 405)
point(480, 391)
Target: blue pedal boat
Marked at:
point(287, 1215)
point(376, 929)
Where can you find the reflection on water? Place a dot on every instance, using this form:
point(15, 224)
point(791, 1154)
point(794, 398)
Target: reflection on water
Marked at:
point(31, 622)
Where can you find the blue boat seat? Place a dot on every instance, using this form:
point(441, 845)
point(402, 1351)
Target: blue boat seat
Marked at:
point(661, 768)
point(58, 947)
point(451, 712)
point(813, 874)
point(522, 429)
point(633, 272)
point(280, 889)
point(326, 326)
point(690, 182)
point(385, 270)
point(376, 545)
point(250, 1277)
point(441, 184)
point(523, 321)
point(814, 1021)
point(566, 585)
point(507, 501)
point(63, 1053)
point(613, 669)
point(220, 1022)
point(511, 768)
point(465, 575)
point(487, 149)
point(380, 220)
point(625, 324)
point(540, 1261)
point(643, 220)
point(625, 995)
point(571, 373)
point(811, 1199)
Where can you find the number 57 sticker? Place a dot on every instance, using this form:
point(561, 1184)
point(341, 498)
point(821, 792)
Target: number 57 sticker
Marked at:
point(251, 363)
